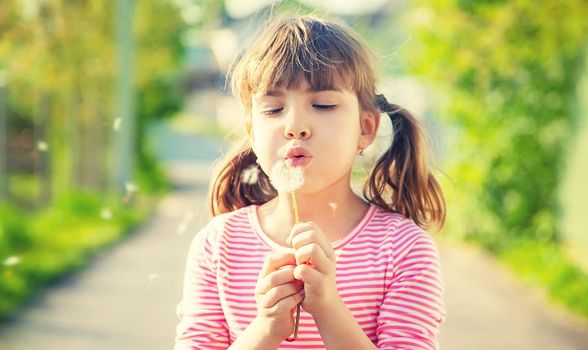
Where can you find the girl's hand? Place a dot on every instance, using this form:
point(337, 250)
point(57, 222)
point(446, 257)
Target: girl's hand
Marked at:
point(277, 294)
point(316, 267)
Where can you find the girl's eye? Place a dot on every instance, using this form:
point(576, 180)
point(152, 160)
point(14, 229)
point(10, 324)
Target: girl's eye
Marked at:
point(324, 107)
point(272, 111)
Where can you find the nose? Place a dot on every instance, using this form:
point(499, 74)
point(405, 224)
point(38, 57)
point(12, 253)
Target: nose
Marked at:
point(296, 127)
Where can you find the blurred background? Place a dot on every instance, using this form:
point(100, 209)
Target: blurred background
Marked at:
point(112, 113)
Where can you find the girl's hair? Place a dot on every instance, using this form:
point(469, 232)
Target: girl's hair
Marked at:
point(327, 54)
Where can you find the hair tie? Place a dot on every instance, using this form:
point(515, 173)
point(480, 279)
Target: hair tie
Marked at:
point(382, 103)
point(386, 107)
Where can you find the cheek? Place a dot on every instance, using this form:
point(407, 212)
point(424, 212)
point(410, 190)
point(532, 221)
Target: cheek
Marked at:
point(265, 144)
point(345, 139)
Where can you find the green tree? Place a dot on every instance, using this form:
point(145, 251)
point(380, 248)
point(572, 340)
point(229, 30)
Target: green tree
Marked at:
point(508, 71)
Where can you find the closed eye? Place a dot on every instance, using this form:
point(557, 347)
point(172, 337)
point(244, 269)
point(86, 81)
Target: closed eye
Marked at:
point(324, 107)
point(272, 111)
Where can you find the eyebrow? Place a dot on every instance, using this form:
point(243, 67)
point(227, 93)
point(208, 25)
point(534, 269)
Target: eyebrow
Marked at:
point(280, 93)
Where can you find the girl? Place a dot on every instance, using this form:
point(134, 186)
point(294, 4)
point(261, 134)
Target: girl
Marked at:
point(366, 274)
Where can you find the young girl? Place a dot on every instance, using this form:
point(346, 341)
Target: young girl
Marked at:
point(365, 272)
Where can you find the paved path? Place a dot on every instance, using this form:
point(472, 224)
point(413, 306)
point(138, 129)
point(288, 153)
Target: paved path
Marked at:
point(126, 298)
point(488, 308)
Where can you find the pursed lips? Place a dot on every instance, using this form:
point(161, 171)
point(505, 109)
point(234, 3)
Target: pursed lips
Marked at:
point(297, 152)
point(297, 156)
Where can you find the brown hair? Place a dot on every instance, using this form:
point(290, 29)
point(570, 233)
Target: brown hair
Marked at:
point(327, 54)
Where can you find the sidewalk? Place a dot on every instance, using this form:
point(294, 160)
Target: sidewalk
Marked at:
point(489, 308)
point(126, 298)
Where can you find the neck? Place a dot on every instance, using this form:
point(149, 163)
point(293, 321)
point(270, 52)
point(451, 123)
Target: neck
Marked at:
point(322, 207)
point(335, 210)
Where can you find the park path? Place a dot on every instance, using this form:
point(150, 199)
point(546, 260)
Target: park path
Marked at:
point(127, 296)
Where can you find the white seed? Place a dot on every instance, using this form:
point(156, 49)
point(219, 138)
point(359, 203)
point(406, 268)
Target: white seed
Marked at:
point(286, 179)
point(250, 175)
point(131, 187)
point(11, 261)
point(106, 214)
point(117, 123)
point(42, 146)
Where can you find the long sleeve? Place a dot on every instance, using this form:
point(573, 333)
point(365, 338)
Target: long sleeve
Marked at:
point(202, 321)
point(413, 307)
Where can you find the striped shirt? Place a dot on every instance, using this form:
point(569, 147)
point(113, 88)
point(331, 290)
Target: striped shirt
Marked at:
point(387, 273)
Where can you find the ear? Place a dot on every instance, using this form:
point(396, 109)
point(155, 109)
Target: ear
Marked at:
point(369, 123)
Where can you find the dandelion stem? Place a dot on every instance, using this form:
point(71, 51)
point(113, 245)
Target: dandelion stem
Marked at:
point(296, 220)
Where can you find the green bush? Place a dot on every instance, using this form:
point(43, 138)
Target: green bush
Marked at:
point(14, 233)
point(41, 248)
point(506, 74)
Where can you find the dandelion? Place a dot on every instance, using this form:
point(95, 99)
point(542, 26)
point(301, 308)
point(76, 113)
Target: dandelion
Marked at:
point(11, 261)
point(287, 179)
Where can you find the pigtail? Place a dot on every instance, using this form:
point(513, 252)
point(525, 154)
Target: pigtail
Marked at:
point(402, 173)
point(238, 182)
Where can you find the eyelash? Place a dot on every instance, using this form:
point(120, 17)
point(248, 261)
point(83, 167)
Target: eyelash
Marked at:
point(317, 106)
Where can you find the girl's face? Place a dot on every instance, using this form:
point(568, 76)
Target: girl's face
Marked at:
point(328, 126)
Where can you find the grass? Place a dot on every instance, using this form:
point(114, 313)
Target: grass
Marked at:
point(41, 248)
point(548, 267)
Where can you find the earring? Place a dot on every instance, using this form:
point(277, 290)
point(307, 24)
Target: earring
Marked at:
point(361, 153)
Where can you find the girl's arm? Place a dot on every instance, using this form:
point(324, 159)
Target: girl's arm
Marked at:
point(339, 329)
point(202, 323)
point(413, 308)
point(256, 337)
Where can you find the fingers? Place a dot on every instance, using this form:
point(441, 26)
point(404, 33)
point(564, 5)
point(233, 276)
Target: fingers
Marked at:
point(275, 261)
point(308, 233)
point(285, 295)
point(276, 278)
point(315, 256)
point(308, 274)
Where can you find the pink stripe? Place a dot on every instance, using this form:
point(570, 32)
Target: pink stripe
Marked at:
point(387, 273)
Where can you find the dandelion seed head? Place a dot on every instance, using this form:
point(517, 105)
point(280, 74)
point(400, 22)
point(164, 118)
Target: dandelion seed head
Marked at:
point(286, 179)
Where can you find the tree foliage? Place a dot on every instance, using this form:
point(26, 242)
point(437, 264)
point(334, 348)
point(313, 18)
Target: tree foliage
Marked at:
point(507, 71)
point(60, 61)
